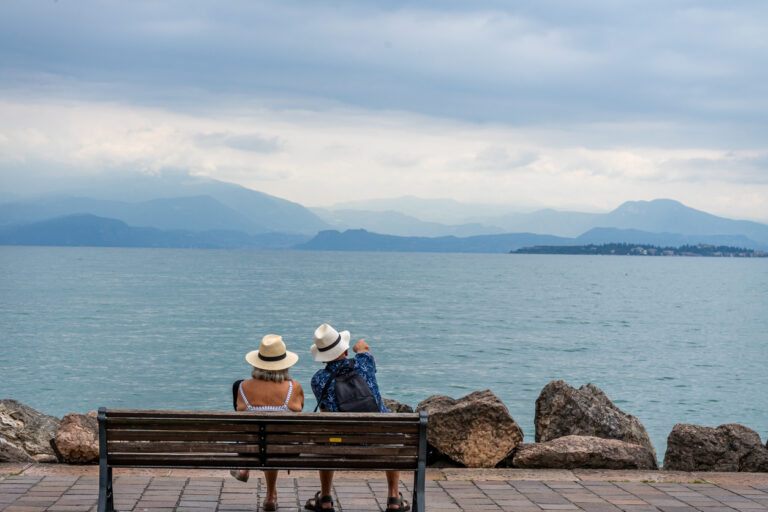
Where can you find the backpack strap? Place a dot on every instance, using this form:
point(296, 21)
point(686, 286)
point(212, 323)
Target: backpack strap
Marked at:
point(328, 384)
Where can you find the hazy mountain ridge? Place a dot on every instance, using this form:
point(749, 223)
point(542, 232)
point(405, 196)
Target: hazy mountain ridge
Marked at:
point(200, 213)
point(86, 230)
point(656, 216)
point(156, 201)
point(362, 240)
point(178, 201)
point(397, 223)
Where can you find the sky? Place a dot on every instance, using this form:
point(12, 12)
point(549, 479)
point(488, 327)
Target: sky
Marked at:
point(532, 103)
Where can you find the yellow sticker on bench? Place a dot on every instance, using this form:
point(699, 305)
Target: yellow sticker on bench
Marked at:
point(335, 440)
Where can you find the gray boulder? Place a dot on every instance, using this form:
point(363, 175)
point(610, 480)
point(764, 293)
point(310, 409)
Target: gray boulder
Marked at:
point(475, 431)
point(728, 447)
point(25, 434)
point(395, 406)
point(562, 410)
point(572, 452)
point(77, 440)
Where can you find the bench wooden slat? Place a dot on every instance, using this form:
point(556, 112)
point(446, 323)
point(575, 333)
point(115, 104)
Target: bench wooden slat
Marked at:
point(163, 435)
point(393, 438)
point(207, 461)
point(286, 416)
point(175, 435)
point(173, 448)
point(325, 449)
point(249, 427)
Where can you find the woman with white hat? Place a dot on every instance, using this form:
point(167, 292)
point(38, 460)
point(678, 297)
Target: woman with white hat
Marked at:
point(270, 389)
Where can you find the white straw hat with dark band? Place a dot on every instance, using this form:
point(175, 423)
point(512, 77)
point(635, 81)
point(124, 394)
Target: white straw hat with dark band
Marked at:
point(329, 344)
point(272, 354)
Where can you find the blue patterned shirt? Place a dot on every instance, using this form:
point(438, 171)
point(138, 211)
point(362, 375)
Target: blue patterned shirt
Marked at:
point(365, 366)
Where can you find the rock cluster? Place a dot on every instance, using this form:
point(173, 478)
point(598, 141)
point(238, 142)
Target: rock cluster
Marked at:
point(395, 406)
point(728, 447)
point(572, 452)
point(562, 410)
point(475, 431)
point(25, 434)
point(77, 440)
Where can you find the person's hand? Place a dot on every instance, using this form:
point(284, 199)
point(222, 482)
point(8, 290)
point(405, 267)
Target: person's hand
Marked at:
point(361, 346)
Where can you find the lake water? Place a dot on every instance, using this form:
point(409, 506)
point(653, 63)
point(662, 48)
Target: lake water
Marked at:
point(668, 339)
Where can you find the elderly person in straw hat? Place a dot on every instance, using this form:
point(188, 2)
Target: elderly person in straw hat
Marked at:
point(270, 389)
point(331, 347)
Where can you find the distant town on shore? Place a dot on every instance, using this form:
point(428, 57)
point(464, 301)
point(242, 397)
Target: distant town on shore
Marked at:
point(622, 249)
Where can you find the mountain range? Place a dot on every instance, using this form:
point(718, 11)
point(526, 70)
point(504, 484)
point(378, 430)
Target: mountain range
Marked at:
point(179, 210)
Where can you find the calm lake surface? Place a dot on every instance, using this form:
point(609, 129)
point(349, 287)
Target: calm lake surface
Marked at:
point(670, 340)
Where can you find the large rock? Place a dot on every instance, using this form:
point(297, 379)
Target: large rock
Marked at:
point(571, 452)
point(476, 431)
point(728, 447)
point(562, 410)
point(25, 434)
point(77, 440)
point(395, 406)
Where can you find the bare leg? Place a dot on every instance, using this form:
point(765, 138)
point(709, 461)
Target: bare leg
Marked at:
point(326, 482)
point(393, 484)
point(271, 477)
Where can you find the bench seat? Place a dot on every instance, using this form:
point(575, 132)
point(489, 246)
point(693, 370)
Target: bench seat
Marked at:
point(261, 440)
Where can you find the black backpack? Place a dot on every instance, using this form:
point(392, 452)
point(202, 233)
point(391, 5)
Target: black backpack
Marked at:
point(352, 392)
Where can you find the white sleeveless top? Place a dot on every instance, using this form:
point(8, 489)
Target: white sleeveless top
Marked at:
point(268, 408)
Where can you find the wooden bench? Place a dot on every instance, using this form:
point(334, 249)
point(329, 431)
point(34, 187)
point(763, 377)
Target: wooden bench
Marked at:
point(257, 440)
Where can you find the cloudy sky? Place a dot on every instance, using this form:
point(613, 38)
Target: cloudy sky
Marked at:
point(565, 104)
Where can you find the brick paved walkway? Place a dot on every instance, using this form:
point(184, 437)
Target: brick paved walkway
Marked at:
point(71, 493)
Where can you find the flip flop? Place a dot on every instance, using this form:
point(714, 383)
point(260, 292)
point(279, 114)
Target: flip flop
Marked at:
point(319, 500)
point(238, 474)
point(402, 504)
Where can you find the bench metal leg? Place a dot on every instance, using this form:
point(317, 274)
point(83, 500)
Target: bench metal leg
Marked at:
point(106, 496)
point(419, 477)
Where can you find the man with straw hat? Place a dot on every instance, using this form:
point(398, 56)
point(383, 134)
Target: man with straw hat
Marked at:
point(331, 347)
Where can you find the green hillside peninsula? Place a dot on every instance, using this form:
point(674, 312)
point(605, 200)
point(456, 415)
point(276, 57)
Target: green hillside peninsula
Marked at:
point(715, 251)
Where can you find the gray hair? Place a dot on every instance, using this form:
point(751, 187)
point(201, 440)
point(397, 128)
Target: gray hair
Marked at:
point(271, 375)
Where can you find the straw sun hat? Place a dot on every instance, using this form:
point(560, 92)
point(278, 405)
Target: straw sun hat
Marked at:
point(329, 344)
point(271, 354)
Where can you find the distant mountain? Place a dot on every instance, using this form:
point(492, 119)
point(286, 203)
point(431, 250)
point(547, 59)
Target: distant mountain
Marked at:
point(263, 211)
point(362, 240)
point(634, 236)
point(442, 211)
point(666, 215)
point(200, 213)
point(396, 223)
point(90, 230)
point(656, 216)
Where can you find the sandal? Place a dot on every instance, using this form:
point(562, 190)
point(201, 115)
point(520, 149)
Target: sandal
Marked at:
point(240, 474)
point(400, 502)
point(318, 505)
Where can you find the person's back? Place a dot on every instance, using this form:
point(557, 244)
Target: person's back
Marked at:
point(332, 348)
point(363, 364)
point(270, 389)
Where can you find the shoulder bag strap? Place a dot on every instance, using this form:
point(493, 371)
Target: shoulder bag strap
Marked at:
point(327, 385)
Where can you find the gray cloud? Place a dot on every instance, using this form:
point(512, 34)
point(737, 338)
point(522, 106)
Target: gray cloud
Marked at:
point(243, 142)
point(498, 159)
point(729, 168)
point(526, 62)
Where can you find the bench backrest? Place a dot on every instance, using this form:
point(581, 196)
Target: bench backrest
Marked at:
point(204, 439)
